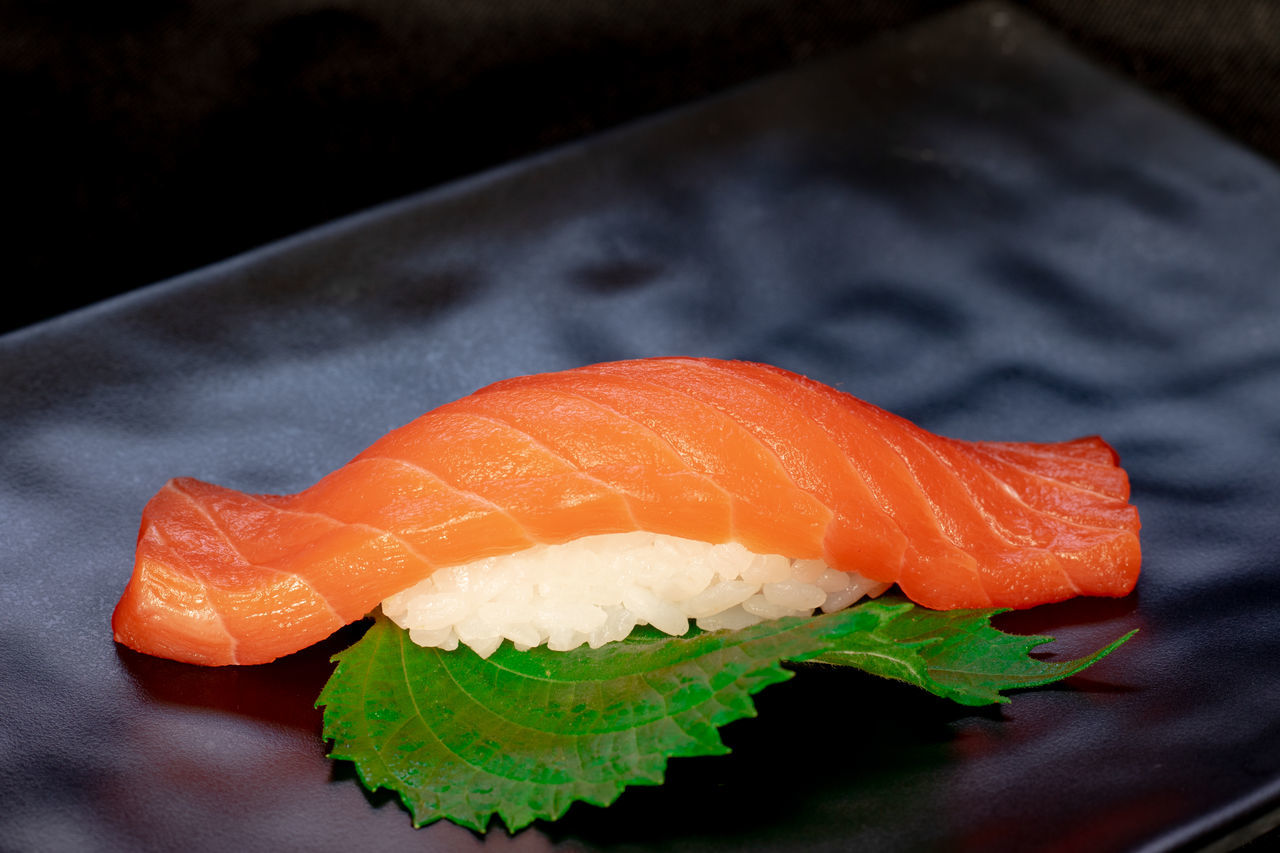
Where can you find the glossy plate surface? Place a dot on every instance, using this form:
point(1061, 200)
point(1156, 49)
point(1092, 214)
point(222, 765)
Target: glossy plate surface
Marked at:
point(965, 223)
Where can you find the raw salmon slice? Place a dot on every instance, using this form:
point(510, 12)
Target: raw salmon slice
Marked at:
point(703, 449)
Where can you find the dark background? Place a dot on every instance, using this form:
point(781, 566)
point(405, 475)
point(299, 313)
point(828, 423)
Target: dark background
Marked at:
point(147, 139)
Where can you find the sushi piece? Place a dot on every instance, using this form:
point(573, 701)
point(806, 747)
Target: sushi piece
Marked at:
point(657, 490)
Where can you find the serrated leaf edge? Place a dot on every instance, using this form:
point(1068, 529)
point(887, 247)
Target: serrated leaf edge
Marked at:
point(707, 720)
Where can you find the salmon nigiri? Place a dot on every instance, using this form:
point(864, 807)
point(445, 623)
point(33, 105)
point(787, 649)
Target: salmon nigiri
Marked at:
point(777, 471)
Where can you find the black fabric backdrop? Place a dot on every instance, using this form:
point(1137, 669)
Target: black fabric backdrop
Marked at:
point(146, 139)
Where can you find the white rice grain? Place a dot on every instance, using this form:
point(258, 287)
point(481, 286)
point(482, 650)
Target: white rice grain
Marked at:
point(595, 590)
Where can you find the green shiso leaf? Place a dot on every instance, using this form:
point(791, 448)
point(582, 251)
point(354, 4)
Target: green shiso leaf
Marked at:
point(955, 654)
point(523, 735)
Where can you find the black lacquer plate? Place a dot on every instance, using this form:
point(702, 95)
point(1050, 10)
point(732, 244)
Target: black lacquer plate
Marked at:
point(965, 223)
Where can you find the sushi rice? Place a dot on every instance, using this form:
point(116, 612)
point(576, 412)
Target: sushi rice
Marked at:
point(594, 590)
